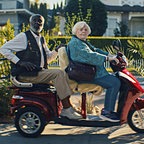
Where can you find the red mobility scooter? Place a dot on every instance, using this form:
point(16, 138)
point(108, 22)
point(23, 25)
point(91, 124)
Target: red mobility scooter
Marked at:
point(34, 106)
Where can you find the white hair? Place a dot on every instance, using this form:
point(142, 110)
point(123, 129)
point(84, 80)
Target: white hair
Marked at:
point(36, 15)
point(80, 25)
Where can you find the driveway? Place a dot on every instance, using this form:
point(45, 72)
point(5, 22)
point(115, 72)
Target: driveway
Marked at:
point(60, 134)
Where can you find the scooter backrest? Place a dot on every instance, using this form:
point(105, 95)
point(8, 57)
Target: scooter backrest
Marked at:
point(82, 88)
point(63, 58)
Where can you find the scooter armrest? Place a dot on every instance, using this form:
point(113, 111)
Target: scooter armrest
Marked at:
point(19, 84)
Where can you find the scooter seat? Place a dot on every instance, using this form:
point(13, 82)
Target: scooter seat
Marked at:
point(29, 86)
point(16, 83)
point(37, 88)
point(77, 87)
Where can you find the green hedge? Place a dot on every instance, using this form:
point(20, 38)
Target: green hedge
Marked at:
point(100, 42)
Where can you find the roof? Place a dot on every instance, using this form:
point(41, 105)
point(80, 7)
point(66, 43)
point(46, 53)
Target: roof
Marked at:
point(124, 8)
point(21, 11)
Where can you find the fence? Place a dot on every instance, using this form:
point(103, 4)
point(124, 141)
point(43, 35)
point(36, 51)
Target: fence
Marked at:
point(5, 66)
point(138, 63)
point(134, 63)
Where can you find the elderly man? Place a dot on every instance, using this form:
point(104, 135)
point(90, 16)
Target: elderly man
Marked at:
point(29, 55)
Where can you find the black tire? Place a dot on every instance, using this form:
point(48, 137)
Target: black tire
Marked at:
point(30, 122)
point(136, 120)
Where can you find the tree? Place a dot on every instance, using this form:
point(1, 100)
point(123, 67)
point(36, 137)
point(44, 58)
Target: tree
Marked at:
point(7, 33)
point(34, 8)
point(122, 30)
point(56, 29)
point(51, 24)
point(91, 11)
point(44, 13)
point(117, 32)
point(41, 9)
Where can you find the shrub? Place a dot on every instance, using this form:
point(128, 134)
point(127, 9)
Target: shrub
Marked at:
point(5, 97)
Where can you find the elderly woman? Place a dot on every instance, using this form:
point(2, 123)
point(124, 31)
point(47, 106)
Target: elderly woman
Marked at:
point(82, 51)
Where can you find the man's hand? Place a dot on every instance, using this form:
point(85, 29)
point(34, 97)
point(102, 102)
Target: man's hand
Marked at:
point(59, 46)
point(28, 65)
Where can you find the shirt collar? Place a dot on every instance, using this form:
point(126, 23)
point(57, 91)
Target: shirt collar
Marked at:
point(36, 36)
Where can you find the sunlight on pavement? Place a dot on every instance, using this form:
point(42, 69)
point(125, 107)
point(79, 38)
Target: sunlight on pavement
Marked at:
point(123, 130)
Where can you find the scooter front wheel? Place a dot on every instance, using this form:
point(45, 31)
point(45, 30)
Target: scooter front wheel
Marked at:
point(136, 120)
point(30, 122)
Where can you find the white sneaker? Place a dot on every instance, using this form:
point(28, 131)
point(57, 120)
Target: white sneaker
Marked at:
point(70, 113)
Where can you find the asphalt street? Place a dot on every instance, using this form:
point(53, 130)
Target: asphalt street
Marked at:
point(58, 134)
point(61, 134)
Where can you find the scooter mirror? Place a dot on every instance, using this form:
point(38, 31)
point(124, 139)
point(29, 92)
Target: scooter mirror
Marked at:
point(116, 44)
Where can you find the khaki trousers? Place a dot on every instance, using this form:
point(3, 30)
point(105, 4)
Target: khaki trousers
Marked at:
point(58, 77)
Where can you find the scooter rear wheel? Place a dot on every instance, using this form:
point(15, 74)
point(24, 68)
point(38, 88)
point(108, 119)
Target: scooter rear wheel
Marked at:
point(30, 122)
point(136, 120)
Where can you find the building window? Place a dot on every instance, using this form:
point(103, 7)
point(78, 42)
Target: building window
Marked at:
point(19, 5)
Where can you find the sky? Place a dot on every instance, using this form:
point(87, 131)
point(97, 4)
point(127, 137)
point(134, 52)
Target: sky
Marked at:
point(51, 2)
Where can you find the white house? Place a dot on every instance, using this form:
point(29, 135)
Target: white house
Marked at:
point(15, 10)
point(130, 12)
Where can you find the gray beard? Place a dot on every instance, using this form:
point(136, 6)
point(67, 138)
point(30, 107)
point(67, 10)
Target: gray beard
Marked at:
point(35, 30)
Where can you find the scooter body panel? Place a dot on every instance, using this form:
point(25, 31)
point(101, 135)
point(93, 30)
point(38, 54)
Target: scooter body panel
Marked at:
point(138, 104)
point(47, 102)
point(134, 92)
point(131, 80)
point(127, 105)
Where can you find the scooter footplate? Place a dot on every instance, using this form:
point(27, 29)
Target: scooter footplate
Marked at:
point(85, 122)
